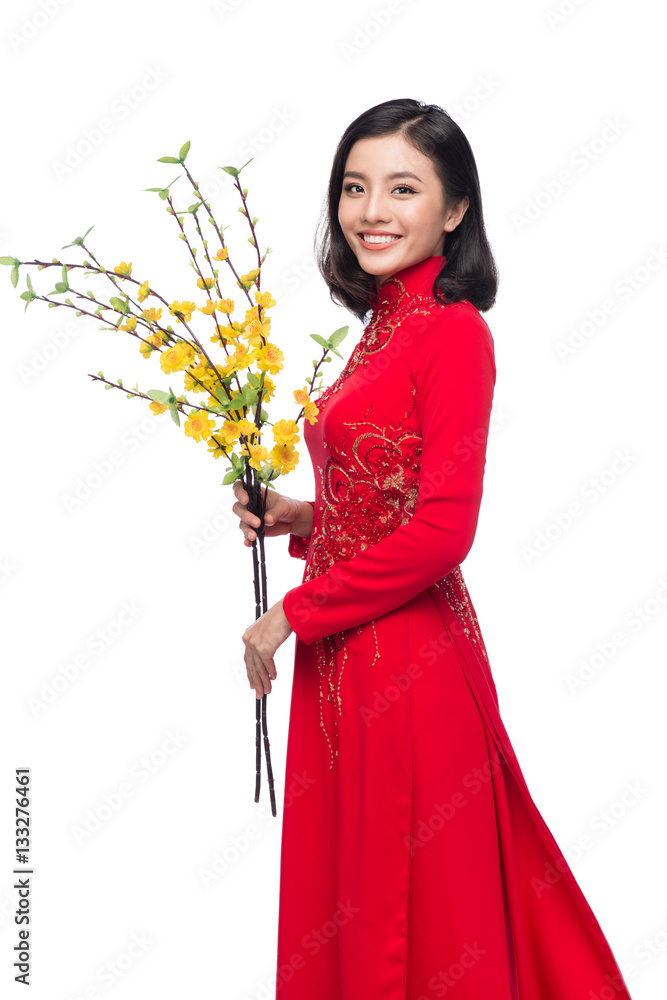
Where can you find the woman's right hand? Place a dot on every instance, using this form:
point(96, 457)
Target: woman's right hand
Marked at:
point(283, 515)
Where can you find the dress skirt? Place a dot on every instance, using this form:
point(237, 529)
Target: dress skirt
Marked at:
point(414, 863)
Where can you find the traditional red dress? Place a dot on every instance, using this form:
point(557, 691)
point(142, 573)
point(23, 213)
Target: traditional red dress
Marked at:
point(415, 864)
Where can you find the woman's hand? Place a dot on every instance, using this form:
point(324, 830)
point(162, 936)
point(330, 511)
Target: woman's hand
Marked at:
point(283, 515)
point(261, 640)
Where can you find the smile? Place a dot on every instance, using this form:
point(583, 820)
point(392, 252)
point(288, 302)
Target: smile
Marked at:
point(378, 242)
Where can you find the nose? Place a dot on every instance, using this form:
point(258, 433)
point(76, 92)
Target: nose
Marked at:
point(375, 210)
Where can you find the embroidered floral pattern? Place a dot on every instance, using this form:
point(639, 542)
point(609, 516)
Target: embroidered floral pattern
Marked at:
point(366, 496)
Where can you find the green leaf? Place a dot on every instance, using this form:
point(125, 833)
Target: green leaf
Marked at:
point(338, 337)
point(249, 394)
point(14, 276)
point(231, 477)
point(10, 261)
point(263, 416)
point(230, 170)
point(184, 151)
point(30, 294)
point(245, 165)
point(159, 395)
point(320, 340)
point(173, 409)
point(168, 159)
point(122, 305)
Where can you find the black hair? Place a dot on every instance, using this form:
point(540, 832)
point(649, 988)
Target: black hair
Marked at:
point(470, 270)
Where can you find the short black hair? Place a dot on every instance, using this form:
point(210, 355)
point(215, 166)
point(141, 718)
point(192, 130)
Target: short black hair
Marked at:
point(470, 271)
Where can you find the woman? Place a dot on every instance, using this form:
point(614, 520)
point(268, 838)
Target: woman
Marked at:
point(414, 860)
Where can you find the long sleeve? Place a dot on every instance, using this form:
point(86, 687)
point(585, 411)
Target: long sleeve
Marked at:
point(454, 372)
point(298, 546)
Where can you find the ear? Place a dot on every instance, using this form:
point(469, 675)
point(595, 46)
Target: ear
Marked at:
point(457, 213)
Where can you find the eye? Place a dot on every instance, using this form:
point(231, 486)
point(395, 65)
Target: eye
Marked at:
point(405, 188)
point(348, 187)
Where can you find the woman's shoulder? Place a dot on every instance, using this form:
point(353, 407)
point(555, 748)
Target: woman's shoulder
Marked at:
point(450, 329)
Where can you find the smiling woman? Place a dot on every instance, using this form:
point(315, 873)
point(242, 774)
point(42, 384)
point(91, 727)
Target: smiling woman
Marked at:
point(417, 859)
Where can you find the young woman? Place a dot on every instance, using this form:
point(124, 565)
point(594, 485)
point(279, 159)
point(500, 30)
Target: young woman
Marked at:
point(414, 862)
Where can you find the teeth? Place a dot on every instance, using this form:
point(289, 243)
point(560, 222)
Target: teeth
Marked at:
point(379, 239)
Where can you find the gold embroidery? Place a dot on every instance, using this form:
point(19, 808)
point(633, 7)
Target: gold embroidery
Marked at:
point(457, 596)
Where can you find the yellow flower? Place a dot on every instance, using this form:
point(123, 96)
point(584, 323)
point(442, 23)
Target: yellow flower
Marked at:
point(223, 337)
point(248, 279)
point(143, 291)
point(205, 282)
point(221, 254)
point(285, 432)
point(129, 324)
point(176, 359)
point(242, 357)
point(264, 299)
point(225, 306)
point(258, 454)
point(151, 315)
point(216, 446)
point(301, 395)
point(154, 340)
point(158, 408)
point(248, 427)
point(193, 376)
point(284, 458)
point(209, 308)
point(124, 270)
point(310, 412)
point(187, 308)
point(257, 333)
point(198, 425)
point(229, 432)
point(269, 359)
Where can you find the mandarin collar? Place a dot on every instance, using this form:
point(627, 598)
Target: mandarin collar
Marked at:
point(413, 279)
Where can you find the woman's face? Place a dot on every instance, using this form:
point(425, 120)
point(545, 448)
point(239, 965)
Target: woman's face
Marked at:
point(390, 188)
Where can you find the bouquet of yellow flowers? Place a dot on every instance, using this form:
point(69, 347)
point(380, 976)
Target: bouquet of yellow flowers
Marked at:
point(231, 419)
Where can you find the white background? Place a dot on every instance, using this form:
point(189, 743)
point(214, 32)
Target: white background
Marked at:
point(534, 92)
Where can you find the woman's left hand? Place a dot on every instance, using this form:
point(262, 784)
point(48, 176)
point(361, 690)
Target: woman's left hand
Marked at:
point(261, 640)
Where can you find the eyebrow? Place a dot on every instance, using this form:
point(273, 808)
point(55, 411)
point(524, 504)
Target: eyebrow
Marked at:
point(390, 177)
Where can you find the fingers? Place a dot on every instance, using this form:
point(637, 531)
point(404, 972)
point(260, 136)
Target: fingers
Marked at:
point(246, 518)
point(260, 671)
point(278, 509)
point(258, 675)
